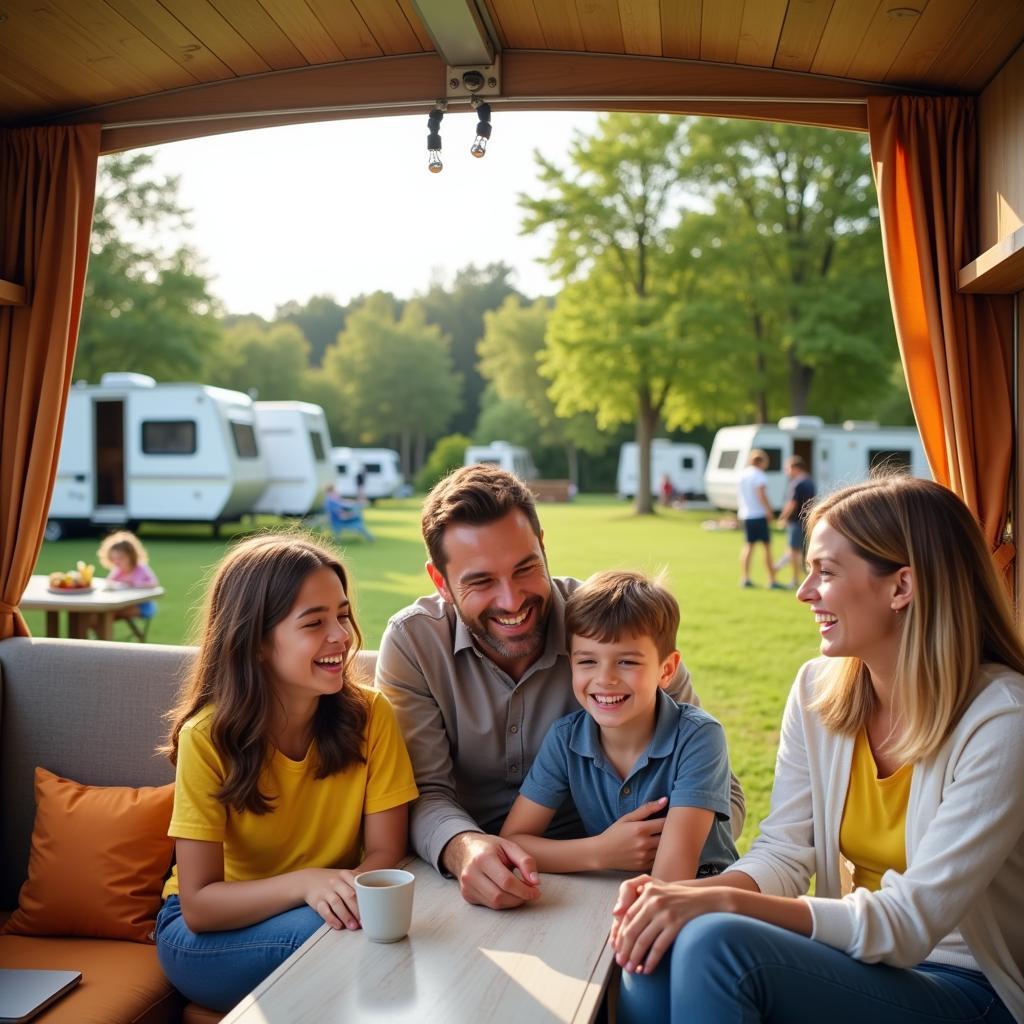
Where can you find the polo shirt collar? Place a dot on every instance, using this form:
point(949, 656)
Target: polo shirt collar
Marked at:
point(585, 738)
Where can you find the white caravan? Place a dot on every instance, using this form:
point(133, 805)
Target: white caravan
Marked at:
point(134, 449)
point(684, 463)
point(381, 469)
point(295, 441)
point(836, 455)
point(505, 456)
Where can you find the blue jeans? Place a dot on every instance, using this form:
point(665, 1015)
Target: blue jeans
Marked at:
point(729, 969)
point(216, 969)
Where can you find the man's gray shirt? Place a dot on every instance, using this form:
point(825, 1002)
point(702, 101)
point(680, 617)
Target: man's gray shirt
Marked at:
point(472, 730)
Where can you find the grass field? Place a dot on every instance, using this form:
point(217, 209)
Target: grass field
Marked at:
point(742, 646)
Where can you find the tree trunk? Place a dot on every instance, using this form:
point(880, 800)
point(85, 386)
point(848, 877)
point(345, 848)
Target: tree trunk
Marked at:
point(572, 462)
point(761, 366)
point(421, 449)
point(405, 451)
point(800, 379)
point(646, 421)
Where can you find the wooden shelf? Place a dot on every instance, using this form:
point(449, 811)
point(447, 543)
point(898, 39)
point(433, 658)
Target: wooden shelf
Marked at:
point(11, 294)
point(997, 271)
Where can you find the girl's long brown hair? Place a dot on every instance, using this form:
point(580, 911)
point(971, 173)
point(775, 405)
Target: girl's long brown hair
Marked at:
point(959, 617)
point(253, 589)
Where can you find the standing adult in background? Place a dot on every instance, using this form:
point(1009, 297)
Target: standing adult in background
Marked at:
point(900, 759)
point(800, 497)
point(755, 512)
point(477, 672)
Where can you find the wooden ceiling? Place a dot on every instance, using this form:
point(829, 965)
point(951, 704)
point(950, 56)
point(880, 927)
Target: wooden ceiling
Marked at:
point(155, 70)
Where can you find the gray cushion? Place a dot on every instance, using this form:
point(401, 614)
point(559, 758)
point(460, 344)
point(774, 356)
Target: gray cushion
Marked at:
point(92, 712)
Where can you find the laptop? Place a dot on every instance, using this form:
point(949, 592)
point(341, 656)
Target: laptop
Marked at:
point(24, 993)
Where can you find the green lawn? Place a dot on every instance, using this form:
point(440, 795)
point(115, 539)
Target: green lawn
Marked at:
point(742, 646)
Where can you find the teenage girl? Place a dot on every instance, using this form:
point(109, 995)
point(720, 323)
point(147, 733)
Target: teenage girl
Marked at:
point(291, 779)
point(123, 554)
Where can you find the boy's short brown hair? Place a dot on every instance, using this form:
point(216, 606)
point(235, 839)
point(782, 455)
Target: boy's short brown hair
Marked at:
point(475, 495)
point(616, 603)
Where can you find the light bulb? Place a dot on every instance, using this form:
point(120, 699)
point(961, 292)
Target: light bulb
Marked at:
point(434, 164)
point(479, 147)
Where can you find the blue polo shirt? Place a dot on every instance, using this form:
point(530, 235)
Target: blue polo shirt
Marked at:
point(686, 761)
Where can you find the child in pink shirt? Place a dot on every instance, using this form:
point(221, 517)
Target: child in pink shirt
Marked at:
point(123, 554)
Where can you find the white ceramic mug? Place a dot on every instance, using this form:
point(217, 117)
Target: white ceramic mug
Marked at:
point(385, 903)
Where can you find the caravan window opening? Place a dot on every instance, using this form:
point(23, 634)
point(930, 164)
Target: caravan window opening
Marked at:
point(372, 467)
point(727, 459)
point(342, 469)
point(318, 446)
point(169, 437)
point(774, 460)
point(687, 462)
point(894, 460)
point(244, 435)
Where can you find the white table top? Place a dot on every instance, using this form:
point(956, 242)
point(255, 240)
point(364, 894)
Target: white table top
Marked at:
point(38, 597)
point(545, 962)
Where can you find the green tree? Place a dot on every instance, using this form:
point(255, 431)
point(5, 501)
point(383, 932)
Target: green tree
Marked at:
point(320, 320)
point(448, 454)
point(320, 388)
point(269, 360)
point(614, 344)
point(147, 306)
point(509, 354)
point(459, 311)
point(395, 377)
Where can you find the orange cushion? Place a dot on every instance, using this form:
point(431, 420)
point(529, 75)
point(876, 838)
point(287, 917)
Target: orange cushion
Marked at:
point(98, 860)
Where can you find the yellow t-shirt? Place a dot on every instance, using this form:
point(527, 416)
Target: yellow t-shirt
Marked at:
point(872, 834)
point(314, 822)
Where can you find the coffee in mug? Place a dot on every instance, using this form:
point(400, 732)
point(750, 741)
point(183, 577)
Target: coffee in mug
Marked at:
point(385, 903)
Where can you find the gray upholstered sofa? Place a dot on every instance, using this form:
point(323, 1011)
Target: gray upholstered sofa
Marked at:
point(92, 712)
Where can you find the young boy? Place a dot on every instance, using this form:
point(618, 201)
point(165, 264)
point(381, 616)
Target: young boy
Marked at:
point(633, 752)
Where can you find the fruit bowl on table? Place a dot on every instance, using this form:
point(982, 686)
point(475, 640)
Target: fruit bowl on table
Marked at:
point(77, 581)
point(71, 590)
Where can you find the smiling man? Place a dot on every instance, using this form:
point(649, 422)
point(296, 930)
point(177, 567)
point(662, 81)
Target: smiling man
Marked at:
point(477, 673)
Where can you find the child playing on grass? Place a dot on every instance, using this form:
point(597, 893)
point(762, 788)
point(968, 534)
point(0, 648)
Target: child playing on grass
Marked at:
point(123, 554)
point(633, 753)
point(291, 778)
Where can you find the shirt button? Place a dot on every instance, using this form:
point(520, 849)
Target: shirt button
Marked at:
point(515, 768)
point(515, 728)
point(626, 790)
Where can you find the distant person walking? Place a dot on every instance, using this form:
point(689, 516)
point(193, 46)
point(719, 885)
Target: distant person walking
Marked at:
point(800, 497)
point(755, 512)
point(668, 491)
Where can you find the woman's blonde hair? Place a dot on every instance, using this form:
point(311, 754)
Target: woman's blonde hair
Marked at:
point(959, 615)
point(126, 542)
point(253, 589)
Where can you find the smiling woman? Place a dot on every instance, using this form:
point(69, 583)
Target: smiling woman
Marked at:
point(900, 760)
point(290, 778)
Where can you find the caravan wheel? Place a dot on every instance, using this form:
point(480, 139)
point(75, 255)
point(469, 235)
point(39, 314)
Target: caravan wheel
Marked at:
point(55, 530)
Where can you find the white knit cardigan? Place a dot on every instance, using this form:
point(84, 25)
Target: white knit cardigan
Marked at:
point(964, 838)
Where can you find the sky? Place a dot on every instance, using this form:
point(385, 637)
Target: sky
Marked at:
point(348, 207)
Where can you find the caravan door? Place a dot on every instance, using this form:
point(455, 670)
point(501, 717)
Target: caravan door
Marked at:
point(108, 420)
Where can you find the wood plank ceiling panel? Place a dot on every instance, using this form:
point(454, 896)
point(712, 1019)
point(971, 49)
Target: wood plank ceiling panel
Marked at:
point(303, 29)
point(560, 23)
point(25, 92)
point(845, 29)
point(937, 23)
point(422, 35)
point(720, 30)
point(680, 28)
point(641, 27)
point(517, 23)
point(152, 19)
point(601, 25)
point(205, 22)
point(982, 44)
point(263, 34)
point(384, 18)
point(346, 27)
point(885, 37)
point(760, 30)
point(801, 34)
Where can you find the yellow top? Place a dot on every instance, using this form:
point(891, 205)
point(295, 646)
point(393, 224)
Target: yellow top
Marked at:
point(314, 822)
point(872, 834)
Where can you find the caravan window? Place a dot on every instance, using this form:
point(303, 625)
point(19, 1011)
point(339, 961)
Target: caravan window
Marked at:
point(774, 459)
point(727, 460)
point(372, 467)
point(245, 440)
point(169, 437)
point(687, 462)
point(895, 460)
point(318, 446)
point(342, 468)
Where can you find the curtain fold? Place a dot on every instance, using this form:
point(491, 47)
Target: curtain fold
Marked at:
point(957, 350)
point(47, 190)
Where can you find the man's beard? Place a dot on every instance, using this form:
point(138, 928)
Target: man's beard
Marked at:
point(529, 645)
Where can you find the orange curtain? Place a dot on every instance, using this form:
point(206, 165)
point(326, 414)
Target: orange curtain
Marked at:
point(47, 189)
point(956, 349)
